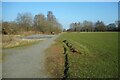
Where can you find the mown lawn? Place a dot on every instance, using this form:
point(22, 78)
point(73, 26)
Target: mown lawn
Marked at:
point(99, 58)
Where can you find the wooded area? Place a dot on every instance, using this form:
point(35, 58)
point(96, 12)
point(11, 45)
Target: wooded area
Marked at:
point(89, 26)
point(25, 23)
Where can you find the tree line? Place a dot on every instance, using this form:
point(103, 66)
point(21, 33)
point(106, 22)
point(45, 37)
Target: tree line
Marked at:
point(39, 23)
point(89, 26)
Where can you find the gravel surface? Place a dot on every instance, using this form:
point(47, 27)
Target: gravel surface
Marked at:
point(26, 62)
point(0, 56)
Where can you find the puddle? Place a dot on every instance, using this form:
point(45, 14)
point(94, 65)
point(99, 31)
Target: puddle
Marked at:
point(41, 37)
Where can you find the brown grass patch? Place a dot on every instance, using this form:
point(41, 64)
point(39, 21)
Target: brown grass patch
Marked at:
point(55, 60)
point(10, 41)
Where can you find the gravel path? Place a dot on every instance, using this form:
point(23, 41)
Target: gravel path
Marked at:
point(0, 56)
point(26, 62)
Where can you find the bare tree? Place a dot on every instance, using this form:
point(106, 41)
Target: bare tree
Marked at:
point(88, 26)
point(54, 25)
point(75, 26)
point(24, 20)
point(100, 26)
point(40, 22)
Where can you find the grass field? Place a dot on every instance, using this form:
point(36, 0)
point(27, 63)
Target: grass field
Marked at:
point(99, 58)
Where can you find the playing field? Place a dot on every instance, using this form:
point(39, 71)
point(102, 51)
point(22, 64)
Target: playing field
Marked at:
point(99, 58)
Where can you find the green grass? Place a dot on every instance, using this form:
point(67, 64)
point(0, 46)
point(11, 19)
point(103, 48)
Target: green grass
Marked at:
point(99, 58)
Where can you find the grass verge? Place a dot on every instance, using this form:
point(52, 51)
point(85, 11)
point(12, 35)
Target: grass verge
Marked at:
point(55, 60)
